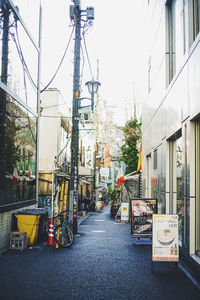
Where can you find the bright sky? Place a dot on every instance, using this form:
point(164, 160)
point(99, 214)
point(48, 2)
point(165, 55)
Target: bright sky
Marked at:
point(116, 39)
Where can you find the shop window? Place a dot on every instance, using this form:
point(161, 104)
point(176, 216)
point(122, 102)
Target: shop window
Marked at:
point(179, 190)
point(18, 175)
point(176, 204)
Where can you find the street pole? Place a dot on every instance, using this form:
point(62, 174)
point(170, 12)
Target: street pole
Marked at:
point(38, 103)
point(73, 201)
point(4, 77)
point(75, 14)
point(97, 139)
point(95, 157)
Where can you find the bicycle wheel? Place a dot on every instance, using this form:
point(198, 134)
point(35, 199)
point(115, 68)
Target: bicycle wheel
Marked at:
point(63, 235)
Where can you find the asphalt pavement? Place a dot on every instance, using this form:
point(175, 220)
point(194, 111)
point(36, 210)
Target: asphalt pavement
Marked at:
point(103, 263)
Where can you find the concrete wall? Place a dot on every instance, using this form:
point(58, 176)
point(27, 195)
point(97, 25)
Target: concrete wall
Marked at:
point(5, 225)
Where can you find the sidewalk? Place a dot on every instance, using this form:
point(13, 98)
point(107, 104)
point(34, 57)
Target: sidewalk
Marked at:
point(82, 218)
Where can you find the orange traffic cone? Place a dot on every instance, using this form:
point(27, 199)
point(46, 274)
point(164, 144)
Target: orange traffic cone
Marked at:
point(51, 241)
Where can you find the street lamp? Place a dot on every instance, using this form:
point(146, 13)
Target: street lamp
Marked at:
point(92, 89)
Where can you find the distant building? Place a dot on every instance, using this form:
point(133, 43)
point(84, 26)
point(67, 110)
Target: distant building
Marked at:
point(54, 145)
point(171, 118)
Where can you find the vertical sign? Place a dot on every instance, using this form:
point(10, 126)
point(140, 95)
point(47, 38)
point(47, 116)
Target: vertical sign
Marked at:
point(141, 219)
point(125, 212)
point(165, 238)
point(107, 155)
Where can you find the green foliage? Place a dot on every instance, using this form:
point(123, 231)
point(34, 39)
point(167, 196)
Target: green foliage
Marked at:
point(129, 151)
point(113, 193)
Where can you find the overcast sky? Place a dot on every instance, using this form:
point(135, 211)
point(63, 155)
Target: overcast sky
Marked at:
point(116, 39)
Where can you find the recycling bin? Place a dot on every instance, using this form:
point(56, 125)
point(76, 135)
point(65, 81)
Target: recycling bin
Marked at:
point(31, 221)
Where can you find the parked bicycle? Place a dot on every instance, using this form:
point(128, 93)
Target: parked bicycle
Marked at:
point(62, 232)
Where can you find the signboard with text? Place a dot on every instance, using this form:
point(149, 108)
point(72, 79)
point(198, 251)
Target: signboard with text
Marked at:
point(142, 210)
point(165, 238)
point(124, 212)
point(107, 155)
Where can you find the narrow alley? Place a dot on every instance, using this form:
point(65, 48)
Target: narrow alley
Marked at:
point(103, 263)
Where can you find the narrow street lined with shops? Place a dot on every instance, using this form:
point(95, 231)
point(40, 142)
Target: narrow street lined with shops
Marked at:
point(103, 263)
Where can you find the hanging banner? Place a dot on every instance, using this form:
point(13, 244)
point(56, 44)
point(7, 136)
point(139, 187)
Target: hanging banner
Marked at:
point(165, 238)
point(142, 210)
point(107, 155)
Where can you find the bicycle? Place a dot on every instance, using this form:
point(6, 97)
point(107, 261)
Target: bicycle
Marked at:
point(63, 234)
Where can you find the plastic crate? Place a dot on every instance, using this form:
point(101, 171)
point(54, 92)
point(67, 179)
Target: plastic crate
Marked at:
point(18, 240)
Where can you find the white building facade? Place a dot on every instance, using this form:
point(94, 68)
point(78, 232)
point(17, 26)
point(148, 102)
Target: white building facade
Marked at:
point(54, 142)
point(171, 117)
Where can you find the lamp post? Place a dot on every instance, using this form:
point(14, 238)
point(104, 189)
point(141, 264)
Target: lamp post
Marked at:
point(92, 89)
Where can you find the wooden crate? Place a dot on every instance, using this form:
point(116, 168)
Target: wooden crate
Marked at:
point(18, 240)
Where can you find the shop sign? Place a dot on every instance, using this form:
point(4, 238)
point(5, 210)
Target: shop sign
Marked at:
point(165, 238)
point(141, 216)
point(107, 155)
point(124, 212)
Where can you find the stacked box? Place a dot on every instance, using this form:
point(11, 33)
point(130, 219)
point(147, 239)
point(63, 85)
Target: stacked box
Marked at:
point(18, 240)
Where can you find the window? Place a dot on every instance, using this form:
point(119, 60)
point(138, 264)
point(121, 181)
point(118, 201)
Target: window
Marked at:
point(176, 204)
point(155, 159)
point(175, 32)
point(198, 187)
point(19, 167)
point(171, 38)
point(148, 180)
point(184, 27)
point(178, 183)
point(194, 18)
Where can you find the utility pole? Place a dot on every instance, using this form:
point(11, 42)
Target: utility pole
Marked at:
point(73, 205)
point(4, 76)
point(75, 14)
point(96, 196)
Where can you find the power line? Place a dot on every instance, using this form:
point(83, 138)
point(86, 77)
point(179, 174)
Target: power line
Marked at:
point(21, 56)
point(60, 62)
point(83, 64)
point(87, 54)
point(25, 69)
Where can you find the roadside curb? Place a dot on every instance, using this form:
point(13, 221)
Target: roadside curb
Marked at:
point(83, 218)
point(189, 276)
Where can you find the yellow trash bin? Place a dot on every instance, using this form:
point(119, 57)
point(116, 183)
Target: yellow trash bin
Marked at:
point(28, 224)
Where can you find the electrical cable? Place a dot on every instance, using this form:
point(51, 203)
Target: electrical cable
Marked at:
point(60, 62)
point(81, 76)
point(24, 66)
point(19, 50)
point(87, 54)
